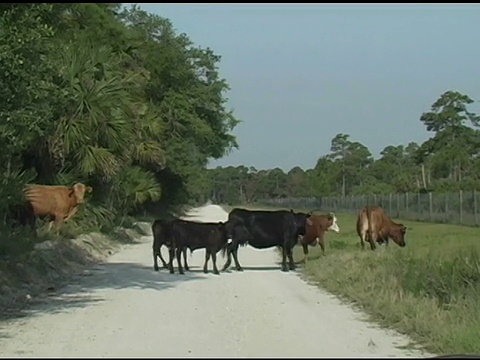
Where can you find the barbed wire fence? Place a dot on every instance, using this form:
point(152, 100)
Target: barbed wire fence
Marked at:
point(460, 207)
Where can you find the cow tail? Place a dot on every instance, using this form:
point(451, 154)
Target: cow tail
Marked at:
point(369, 221)
point(224, 249)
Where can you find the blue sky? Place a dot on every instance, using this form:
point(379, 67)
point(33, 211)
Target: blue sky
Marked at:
point(300, 74)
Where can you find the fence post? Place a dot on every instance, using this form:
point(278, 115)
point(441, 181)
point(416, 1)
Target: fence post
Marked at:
point(430, 206)
point(390, 204)
point(398, 205)
point(461, 206)
point(418, 207)
point(406, 203)
point(475, 206)
point(446, 207)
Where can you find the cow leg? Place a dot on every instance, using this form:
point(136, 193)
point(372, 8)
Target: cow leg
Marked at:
point(232, 250)
point(171, 252)
point(291, 263)
point(57, 222)
point(363, 235)
point(235, 258)
point(164, 263)
point(155, 263)
point(179, 260)
point(207, 257)
point(284, 258)
point(229, 259)
point(305, 252)
point(187, 268)
point(372, 239)
point(321, 242)
point(214, 261)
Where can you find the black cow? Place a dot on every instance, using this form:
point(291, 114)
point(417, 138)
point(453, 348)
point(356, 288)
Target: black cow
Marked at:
point(210, 236)
point(267, 229)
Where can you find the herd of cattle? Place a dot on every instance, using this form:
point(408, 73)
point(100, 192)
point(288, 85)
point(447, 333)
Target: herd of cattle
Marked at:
point(260, 229)
point(263, 229)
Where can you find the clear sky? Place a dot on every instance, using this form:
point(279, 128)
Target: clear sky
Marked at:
point(300, 74)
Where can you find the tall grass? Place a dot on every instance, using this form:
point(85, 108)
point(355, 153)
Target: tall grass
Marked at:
point(430, 289)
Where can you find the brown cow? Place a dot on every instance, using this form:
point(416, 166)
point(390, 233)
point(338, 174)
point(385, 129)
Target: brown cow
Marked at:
point(59, 202)
point(373, 225)
point(315, 228)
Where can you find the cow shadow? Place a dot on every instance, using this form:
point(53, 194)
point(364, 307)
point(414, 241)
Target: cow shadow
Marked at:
point(84, 289)
point(261, 268)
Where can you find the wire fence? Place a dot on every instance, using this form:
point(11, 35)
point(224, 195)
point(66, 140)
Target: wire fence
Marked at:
point(460, 207)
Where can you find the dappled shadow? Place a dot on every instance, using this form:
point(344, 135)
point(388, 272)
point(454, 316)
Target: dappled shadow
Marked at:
point(82, 288)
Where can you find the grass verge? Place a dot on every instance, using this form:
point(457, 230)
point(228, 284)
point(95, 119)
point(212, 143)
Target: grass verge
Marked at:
point(429, 290)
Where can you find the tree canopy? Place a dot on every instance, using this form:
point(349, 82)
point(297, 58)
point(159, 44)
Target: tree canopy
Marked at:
point(447, 161)
point(110, 96)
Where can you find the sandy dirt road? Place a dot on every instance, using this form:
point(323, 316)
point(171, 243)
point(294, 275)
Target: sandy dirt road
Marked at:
point(122, 308)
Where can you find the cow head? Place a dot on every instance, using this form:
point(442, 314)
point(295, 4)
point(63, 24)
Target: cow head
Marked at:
point(333, 219)
point(79, 190)
point(398, 234)
point(301, 221)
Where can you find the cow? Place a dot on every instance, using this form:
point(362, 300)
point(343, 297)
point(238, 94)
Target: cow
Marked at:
point(373, 225)
point(211, 236)
point(50, 201)
point(315, 230)
point(280, 228)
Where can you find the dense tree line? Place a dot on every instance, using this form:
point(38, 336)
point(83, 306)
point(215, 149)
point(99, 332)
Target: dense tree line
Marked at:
point(448, 161)
point(111, 97)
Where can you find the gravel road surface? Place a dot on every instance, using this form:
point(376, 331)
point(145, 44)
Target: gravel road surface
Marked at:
point(122, 308)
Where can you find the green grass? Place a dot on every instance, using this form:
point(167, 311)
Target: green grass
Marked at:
point(429, 290)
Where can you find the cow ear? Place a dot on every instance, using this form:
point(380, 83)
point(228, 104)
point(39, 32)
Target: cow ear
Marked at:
point(309, 222)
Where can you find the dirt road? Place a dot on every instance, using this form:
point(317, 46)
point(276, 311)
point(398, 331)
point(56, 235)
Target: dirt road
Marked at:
point(124, 309)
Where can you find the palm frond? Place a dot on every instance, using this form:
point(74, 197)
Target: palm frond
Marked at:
point(92, 159)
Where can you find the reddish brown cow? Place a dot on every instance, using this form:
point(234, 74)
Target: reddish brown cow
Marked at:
point(59, 202)
point(373, 225)
point(315, 228)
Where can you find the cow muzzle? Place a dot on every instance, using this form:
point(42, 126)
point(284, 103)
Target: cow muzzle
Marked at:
point(334, 227)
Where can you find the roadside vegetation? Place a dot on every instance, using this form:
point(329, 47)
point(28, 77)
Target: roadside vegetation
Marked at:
point(110, 96)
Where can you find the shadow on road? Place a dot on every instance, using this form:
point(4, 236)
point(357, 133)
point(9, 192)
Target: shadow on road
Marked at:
point(261, 268)
point(81, 290)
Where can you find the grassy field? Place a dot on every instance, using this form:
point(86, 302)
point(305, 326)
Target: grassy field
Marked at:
point(430, 289)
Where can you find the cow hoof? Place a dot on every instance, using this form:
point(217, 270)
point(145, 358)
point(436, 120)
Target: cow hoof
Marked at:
point(216, 272)
point(285, 269)
point(187, 268)
point(181, 273)
point(155, 268)
point(240, 269)
point(172, 272)
point(205, 271)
